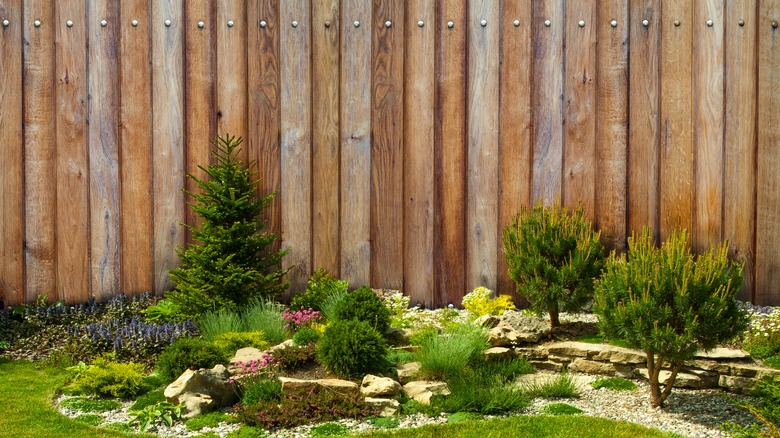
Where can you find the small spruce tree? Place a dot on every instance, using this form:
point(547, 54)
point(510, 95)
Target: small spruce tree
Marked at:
point(230, 261)
point(668, 303)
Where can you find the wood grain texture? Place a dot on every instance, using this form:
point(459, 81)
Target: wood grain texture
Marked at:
point(325, 140)
point(72, 167)
point(387, 144)
point(355, 119)
point(263, 137)
point(482, 183)
point(516, 129)
point(419, 157)
point(135, 137)
point(612, 140)
point(739, 178)
point(168, 137)
point(105, 244)
point(709, 76)
point(231, 82)
point(548, 95)
point(768, 196)
point(579, 106)
point(295, 100)
point(677, 153)
point(39, 147)
point(644, 129)
point(11, 157)
point(450, 153)
point(200, 95)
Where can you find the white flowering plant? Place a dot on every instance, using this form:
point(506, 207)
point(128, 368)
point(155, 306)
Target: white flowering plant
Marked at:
point(762, 339)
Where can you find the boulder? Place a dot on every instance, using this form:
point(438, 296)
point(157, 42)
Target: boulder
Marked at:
point(683, 380)
point(344, 387)
point(749, 370)
point(739, 385)
point(531, 353)
point(246, 355)
point(422, 391)
point(570, 349)
point(389, 407)
point(214, 382)
point(592, 367)
point(290, 385)
point(397, 336)
point(286, 344)
point(196, 404)
point(498, 353)
point(487, 321)
point(375, 386)
point(407, 372)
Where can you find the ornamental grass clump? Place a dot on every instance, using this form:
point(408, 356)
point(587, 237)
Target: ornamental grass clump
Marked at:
point(318, 288)
point(669, 303)
point(447, 355)
point(553, 257)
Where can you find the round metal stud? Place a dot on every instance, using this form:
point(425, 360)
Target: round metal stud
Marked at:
point(294, 24)
point(420, 23)
point(134, 23)
point(483, 23)
point(741, 23)
point(167, 23)
point(774, 24)
point(356, 24)
point(6, 23)
point(645, 23)
point(677, 23)
point(263, 24)
point(613, 23)
point(516, 23)
point(327, 24)
point(37, 23)
point(201, 25)
point(581, 23)
point(230, 23)
point(709, 23)
point(450, 24)
point(388, 23)
point(69, 23)
point(103, 23)
point(547, 23)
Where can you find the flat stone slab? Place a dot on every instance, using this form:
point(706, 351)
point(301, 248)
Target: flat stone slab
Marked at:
point(683, 380)
point(338, 385)
point(423, 390)
point(721, 353)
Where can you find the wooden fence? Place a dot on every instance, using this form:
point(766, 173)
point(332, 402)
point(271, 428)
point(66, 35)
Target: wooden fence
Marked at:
point(402, 135)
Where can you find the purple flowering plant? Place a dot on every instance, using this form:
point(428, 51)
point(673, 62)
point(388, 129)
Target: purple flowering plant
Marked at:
point(301, 318)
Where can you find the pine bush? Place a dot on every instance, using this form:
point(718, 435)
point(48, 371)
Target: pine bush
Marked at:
point(351, 348)
point(364, 304)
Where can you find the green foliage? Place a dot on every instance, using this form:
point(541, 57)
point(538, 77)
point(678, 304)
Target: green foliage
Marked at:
point(553, 257)
point(396, 356)
point(329, 429)
point(295, 357)
point(265, 315)
point(193, 353)
point(614, 384)
point(668, 303)
point(148, 399)
point(320, 286)
point(772, 362)
point(108, 379)
point(247, 432)
point(330, 303)
point(213, 324)
point(351, 348)
point(91, 419)
point(480, 302)
point(562, 386)
point(384, 422)
point(258, 389)
point(212, 419)
point(229, 342)
point(84, 404)
point(118, 426)
point(306, 335)
point(363, 304)
point(164, 412)
point(762, 339)
point(163, 311)
point(766, 409)
point(447, 355)
point(231, 261)
point(560, 409)
point(460, 417)
point(423, 335)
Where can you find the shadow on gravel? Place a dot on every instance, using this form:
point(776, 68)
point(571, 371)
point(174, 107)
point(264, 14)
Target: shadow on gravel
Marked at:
point(709, 407)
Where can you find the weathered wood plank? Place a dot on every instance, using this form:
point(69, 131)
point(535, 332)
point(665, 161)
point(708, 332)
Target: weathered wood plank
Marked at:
point(548, 95)
point(768, 185)
point(516, 130)
point(579, 106)
point(739, 183)
point(168, 136)
point(11, 156)
point(104, 181)
point(135, 138)
point(231, 70)
point(450, 153)
point(612, 140)
point(295, 100)
point(263, 137)
point(644, 129)
point(72, 167)
point(355, 118)
point(709, 72)
point(325, 128)
point(387, 144)
point(418, 160)
point(677, 154)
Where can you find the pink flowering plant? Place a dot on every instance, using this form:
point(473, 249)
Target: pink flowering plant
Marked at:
point(298, 319)
point(266, 367)
point(257, 380)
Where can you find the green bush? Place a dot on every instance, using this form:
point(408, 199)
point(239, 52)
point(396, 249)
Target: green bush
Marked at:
point(231, 261)
point(447, 355)
point(560, 409)
point(772, 362)
point(213, 324)
point(192, 353)
point(108, 379)
point(320, 286)
point(295, 357)
point(229, 342)
point(553, 257)
point(384, 422)
point(614, 384)
point(562, 386)
point(669, 304)
point(363, 304)
point(162, 312)
point(212, 419)
point(306, 335)
point(351, 348)
point(148, 399)
point(265, 315)
point(247, 432)
point(766, 408)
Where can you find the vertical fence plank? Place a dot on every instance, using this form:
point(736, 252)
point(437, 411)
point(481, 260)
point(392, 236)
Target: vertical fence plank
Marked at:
point(387, 145)
point(168, 136)
point(579, 105)
point(11, 156)
point(644, 130)
point(548, 92)
point(450, 153)
point(325, 129)
point(295, 69)
point(103, 148)
point(264, 107)
point(231, 70)
point(136, 148)
point(418, 160)
point(739, 183)
point(355, 118)
point(677, 155)
point(516, 130)
point(612, 140)
point(483, 88)
point(768, 196)
point(200, 122)
point(709, 72)
point(72, 172)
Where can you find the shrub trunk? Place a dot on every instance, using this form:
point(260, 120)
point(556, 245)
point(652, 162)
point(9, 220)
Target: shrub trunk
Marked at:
point(654, 365)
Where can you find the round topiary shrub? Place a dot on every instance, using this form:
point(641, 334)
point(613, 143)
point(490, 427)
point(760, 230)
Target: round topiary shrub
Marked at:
point(192, 353)
point(351, 348)
point(364, 305)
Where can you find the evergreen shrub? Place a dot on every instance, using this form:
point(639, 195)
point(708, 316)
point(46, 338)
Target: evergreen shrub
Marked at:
point(352, 348)
point(192, 353)
point(363, 304)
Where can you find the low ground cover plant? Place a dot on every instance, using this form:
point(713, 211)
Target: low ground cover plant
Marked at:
point(86, 404)
point(762, 339)
point(162, 412)
point(231, 342)
point(212, 419)
point(481, 302)
point(560, 409)
point(614, 384)
point(108, 379)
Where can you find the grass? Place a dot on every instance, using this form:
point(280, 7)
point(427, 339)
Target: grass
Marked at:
point(562, 386)
point(212, 419)
point(91, 419)
point(266, 316)
point(447, 355)
point(328, 304)
point(329, 429)
point(148, 399)
point(560, 409)
point(213, 324)
point(397, 357)
point(384, 422)
point(772, 362)
point(86, 404)
point(486, 388)
point(599, 339)
point(614, 384)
